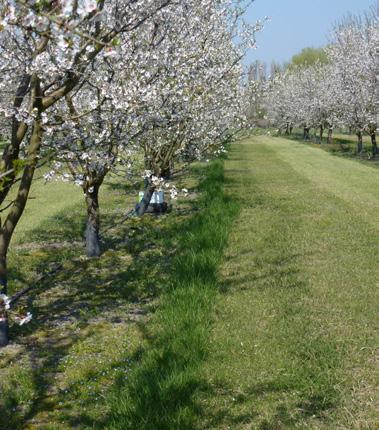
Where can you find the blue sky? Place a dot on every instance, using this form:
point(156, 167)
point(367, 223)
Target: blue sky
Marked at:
point(296, 24)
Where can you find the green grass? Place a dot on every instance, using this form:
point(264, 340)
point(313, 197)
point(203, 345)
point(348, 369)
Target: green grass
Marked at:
point(55, 198)
point(90, 317)
point(251, 306)
point(343, 145)
point(57, 369)
point(294, 338)
point(162, 389)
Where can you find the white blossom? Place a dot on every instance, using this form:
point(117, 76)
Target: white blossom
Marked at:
point(24, 319)
point(5, 301)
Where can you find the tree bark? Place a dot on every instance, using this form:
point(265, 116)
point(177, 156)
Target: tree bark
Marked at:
point(287, 132)
point(12, 150)
point(321, 133)
point(374, 145)
point(330, 135)
point(4, 327)
point(291, 128)
point(4, 331)
point(141, 207)
point(306, 133)
point(166, 171)
point(93, 223)
point(15, 213)
point(360, 142)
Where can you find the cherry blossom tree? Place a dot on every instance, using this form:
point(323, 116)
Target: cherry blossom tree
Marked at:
point(353, 53)
point(281, 101)
point(196, 92)
point(172, 91)
point(88, 81)
point(338, 92)
point(47, 50)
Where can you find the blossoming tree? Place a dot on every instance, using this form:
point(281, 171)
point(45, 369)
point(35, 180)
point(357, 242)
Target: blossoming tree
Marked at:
point(340, 92)
point(47, 49)
point(87, 82)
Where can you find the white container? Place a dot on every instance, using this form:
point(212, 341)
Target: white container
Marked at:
point(157, 198)
point(153, 199)
point(160, 197)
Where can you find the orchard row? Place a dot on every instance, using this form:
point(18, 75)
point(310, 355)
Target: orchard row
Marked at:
point(89, 86)
point(339, 92)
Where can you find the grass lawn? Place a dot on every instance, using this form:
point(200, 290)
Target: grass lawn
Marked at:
point(89, 316)
point(294, 339)
point(250, 306)
point(343, 145)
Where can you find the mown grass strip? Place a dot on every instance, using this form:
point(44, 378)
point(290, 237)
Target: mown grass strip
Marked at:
point(161, 390)
point(293, 341)
point(343, 145)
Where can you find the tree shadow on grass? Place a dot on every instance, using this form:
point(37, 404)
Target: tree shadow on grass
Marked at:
point(168, 386)
point(342, 147)
point(165, 382)
point(116, 290)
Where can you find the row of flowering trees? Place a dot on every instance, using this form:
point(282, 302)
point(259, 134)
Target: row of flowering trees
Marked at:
point(338, 93)
point(88, 85)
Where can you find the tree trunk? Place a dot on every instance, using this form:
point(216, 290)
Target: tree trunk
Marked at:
point(330, 135)
point(19, 129)
point(360, 142)
point(14, 215)
point(4, 328)
point(141, 207)
point(287, 132)
point(321, 133)
point(374, 145)
point(306, 133)
point(93, 223)
point(166, 171)
point(291, 128)
point(4, 331)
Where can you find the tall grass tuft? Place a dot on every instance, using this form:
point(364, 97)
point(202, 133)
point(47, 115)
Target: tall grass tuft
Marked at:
point(161, 390)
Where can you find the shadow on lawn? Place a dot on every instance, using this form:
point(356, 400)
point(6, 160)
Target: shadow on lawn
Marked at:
point(239, 408)
point(165, 383)
point(166, 388)
point(118, 288)
point(343, 147)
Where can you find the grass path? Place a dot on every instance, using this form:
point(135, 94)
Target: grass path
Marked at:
point(163, 387)
point(293, 344)
point(250, 306)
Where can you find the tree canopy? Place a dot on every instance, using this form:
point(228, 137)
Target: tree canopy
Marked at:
point(309, 56)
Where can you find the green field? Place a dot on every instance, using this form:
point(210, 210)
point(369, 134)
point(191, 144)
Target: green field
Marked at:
point(294, 340)
point(344, 145)
point(251, 305)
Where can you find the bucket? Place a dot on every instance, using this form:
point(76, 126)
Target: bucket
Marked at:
point(157, 198)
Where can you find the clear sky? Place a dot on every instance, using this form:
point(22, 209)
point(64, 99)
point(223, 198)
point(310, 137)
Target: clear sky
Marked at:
point(296, 24)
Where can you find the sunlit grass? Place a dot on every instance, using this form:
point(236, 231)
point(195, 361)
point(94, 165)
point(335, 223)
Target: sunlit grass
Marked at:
point(57, 370)
point(250, 306)
point(294, 339)
point(163, 386)
point(343, 145)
